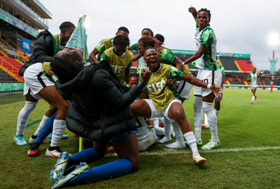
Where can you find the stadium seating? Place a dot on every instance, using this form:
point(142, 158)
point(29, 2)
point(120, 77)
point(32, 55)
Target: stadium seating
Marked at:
point(228, 63)
point(11, 66)
point(245, 65)
point(6, 78)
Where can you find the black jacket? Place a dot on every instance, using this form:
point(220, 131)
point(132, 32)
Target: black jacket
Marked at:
point(100, 107)
point(44, 50)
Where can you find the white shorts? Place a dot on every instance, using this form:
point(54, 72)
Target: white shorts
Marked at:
point(35, 80)
point(161, 113)
point(208, 76)
point(184, 88)
point(253, 86)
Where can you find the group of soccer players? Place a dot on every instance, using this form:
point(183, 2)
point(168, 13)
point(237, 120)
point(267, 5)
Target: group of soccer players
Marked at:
point(102, 109)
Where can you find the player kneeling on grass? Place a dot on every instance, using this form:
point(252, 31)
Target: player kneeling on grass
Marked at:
point(163, 103)
point(99, 112)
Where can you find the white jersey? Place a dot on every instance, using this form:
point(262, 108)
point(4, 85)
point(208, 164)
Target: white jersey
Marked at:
point(254, 80)
point(207, 37)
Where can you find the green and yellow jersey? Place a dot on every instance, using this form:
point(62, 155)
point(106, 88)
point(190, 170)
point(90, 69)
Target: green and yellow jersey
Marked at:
point(159, 93)
point(104, 45)
point(118, 63)
point(167, 56)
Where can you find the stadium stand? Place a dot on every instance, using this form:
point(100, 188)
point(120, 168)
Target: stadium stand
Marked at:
point(228, 63)
point(6, 78)
point(11, 67)
point(245, 65)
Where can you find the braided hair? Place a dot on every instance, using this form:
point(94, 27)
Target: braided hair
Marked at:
point(205, 10)
point(152, 33)
point(65, 70)
point(121, 40)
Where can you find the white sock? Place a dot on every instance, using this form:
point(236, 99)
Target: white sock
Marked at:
point(205, 119)
point(41, 125)
point(253, 98)
point(167, 131)
point(191, 140)
point(159, 130)
point(179, 143)
point(198, 116)
point(57, 132)
point(216, 112)
point(24, 115)
point(212, 120)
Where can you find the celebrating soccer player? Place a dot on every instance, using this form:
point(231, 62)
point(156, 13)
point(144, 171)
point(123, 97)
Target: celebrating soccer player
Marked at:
point(254, 79)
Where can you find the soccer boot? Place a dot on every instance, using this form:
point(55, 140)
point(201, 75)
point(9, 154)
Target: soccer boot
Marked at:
point(198, 143)
point(210, 145)
point(74, 177)
point(256, 97)
point(252, 101)
point(19, 140)
point(60, 167)
point(34, 149)
point(55, 152)
point(33, 138)
point(198, 159)
point(205, 126)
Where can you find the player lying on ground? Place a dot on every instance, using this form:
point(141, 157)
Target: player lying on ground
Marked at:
point(99, 112)
point(106, 44)
point(254, 79)
point(206, 62)
point(163, 103)
point(46, 46)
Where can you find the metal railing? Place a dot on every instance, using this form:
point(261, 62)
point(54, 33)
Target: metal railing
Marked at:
point(11, 72)
point(4, 50)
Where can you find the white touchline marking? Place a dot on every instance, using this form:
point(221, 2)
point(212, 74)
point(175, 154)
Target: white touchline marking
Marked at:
point(167, 151)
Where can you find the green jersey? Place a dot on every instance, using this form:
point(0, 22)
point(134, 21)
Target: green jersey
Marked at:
point(104, 45)
point(254, 80)
point(161, 95)
point(207, 37)
point(220, 67)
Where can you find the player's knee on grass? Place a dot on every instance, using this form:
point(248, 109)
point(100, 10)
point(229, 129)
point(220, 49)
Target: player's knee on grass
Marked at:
point(135, 163)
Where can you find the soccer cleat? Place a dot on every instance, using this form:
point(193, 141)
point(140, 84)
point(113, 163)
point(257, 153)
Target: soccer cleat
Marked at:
point(33, 138)
point(210, 145)
point(198, 159)
point(34, 149)
point(74, 177)
point(205, 126)
point(63, 136)
point(256, 97)
point(252, 101)
point(19, 140)
point(60, 167)
point(53, 153)
point(198, 143)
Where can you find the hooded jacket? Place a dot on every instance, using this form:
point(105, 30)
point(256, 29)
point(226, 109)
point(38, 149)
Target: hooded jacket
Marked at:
point(45, 48)
point(100, 108)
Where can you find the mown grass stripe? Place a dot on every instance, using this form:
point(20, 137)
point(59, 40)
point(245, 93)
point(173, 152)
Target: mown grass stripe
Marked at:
point(167, 151)
point(34, 122)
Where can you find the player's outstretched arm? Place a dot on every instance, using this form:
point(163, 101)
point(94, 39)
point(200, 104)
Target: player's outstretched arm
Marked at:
point(93, 55)
point(193, 11)
point(197, 82)
point(197, 55)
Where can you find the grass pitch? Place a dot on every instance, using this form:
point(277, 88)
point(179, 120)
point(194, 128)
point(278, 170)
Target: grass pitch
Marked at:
point(240, 125)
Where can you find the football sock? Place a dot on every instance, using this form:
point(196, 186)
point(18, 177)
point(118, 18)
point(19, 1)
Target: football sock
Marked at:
point(205, 119)
point(216, 112)
point(253, 98)
point(113, 169)
point(212, 120)
point(191, 140)
point(87, 155)
point(58, 130)
point(159, 130)
point(167, 131)
point(198, 116)
point(24, 115)
point(41, 125)
point(46, 130)
point(179, 143)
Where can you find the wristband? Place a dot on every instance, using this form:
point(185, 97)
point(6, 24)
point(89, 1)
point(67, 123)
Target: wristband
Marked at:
point(54, 78)
point(140, 87)
point(183, 63)
point(208, 86)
